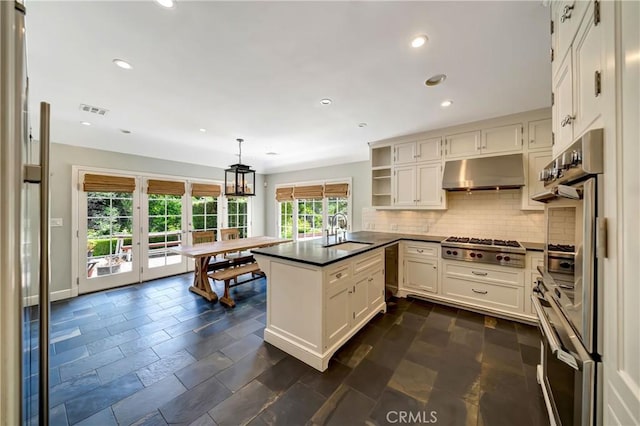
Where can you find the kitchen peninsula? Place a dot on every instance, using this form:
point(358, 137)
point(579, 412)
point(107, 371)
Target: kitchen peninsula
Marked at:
point(318, 297)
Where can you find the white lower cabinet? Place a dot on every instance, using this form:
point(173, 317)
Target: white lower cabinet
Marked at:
point(313, 310)
point(419, 268)
point(421, 274)
point(498, 288)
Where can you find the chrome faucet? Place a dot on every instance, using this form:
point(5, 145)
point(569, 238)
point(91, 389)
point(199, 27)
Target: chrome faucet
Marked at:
point(333, 222)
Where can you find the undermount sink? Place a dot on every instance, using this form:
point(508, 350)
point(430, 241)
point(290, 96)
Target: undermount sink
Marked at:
point(349, 246)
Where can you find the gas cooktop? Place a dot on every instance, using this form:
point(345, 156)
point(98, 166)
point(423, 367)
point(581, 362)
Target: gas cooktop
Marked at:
point(485, 250)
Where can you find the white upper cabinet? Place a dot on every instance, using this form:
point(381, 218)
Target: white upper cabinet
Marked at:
point(462, 145)
point(429, 188)
point(540, 134)
point(418, 151)
point(502, 139)
point(577, 75)
point(565, 17)
point(562, 109)
point(404, 186)
point(587, 59)
point(494, 140)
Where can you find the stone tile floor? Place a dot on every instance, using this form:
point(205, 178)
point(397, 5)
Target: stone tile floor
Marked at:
point(156, 354)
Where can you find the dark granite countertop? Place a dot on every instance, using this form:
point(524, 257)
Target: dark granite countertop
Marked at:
point(532, 246)
point(312, 252)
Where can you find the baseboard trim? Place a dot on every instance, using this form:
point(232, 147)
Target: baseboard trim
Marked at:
point(54, 295)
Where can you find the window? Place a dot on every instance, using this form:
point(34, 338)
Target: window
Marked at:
point(306, 218)
point(109, 224)
point(165, 228)
point(286, 219)
point(204, 213)
point(237, 216)
point(309, 219)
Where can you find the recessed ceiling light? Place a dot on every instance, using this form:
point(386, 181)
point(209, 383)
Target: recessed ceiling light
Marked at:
point(446, 103)
point(419, 41)
point(125, 131)
point(272, 153)
point(85, 123)
point(362, 124)
point(122, 64)
point(166, 3)
point(203, 130)
point(435, 80)
point(326, 101)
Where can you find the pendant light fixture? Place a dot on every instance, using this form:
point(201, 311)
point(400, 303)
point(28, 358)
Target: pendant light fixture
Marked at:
point(239, 179)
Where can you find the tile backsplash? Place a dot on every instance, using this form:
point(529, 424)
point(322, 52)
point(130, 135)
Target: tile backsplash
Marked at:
point(486, 214)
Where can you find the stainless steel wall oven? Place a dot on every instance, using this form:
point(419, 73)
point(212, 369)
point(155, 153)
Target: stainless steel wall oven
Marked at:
point(568, 298)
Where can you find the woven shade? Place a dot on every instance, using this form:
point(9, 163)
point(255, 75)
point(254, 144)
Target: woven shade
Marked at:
point(313, 192)
point(205, 190)
point(165, 187)
point(284, 194)
point(337, 190)
point(104, 183)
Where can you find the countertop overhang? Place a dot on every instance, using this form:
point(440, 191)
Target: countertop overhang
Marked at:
point(313, 252)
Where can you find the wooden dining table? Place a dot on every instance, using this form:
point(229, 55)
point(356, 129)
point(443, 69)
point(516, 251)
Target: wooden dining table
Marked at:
point(202, 253)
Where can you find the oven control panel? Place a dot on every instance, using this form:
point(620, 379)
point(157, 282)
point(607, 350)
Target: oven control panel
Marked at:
point(514, 260)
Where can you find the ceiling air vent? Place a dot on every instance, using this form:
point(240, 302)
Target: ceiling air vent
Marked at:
point(93, 109)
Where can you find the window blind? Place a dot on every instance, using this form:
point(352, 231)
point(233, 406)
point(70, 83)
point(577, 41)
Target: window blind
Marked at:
point(284, 194)
point(165, 187)
point(106, 183)
point(205, 190)
point(313, 192)
point(337, 190)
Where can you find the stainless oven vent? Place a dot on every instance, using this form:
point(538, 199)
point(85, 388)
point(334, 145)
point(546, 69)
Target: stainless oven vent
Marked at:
point(499, 172)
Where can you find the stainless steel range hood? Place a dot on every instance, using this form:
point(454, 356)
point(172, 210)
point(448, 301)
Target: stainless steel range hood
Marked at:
point(503, 171)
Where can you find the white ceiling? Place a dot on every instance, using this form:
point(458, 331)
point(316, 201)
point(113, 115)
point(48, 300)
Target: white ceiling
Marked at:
point(258, 70)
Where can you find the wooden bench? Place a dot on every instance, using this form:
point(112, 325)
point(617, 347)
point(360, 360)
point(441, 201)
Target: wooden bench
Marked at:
point(231, 273)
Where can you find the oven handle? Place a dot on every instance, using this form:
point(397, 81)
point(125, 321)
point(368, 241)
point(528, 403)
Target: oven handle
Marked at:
point(550, 335)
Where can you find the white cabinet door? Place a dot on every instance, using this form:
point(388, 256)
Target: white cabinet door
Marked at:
point(462, 144)
point(502, 139)
point(360, 298)
point(421, 274)
point(376, 289)
point(566, 20)
point(404, 186)
point(404, 153)
point(338, 313)
point(429, 189)
point(562, 109)
point(429, 150)
point(587, 66)
point(535, 163)
point(540, 134)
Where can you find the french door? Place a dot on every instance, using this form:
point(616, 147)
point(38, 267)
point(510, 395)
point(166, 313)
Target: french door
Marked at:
point(127, 231)
point(108, 254)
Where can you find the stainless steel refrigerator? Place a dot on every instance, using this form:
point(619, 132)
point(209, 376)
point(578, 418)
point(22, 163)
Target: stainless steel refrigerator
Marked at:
point(24, 234)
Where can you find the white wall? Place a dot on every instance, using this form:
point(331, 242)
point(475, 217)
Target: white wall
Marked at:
point(486, 214)
point(360, 189)
point(65, 156)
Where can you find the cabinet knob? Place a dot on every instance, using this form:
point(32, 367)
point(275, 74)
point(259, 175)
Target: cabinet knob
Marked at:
point(568, 119)
point(566, 13)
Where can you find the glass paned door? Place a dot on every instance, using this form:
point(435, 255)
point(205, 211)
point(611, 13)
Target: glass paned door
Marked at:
point(310, 218)
point(237, 215)
point(165, 229)
point(108, 242)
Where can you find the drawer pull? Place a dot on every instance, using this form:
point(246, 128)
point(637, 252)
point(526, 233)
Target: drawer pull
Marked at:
point(420, 250)
point(479, 291)
point(482, 274)
point(339, 275)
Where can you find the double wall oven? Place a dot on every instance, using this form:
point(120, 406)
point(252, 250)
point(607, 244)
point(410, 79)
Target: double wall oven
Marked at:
point(568, 298)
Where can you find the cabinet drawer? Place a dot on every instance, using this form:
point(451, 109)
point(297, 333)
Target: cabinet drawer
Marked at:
point(421, 249)
point(506, 298)
point(338, 275)
point(369, 263)
point(491, 276)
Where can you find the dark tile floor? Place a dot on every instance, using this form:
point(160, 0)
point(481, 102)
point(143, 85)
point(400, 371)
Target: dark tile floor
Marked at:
point(155, 354)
